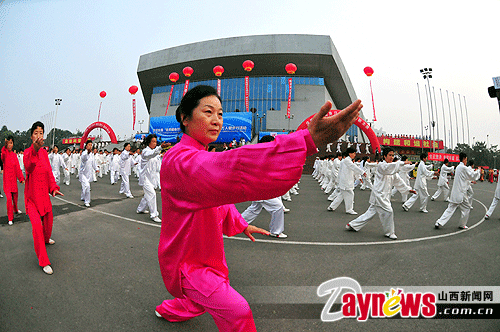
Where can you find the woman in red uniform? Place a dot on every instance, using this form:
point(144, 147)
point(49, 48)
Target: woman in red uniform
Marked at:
point(39, 182)
point(11, 174)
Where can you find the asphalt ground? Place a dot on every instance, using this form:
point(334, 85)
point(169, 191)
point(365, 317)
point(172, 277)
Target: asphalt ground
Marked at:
point(107, 278)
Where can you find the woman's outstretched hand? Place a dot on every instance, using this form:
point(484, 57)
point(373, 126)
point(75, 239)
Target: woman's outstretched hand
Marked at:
point(324, 130)
point(252, 229)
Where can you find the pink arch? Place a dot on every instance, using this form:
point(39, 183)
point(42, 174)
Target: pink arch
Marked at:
point(362, 124)
point(101, 125)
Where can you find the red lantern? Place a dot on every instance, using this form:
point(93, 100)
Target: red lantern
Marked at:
point(291, 68)
point(248, 65)
point(173, 77)
point(187, 71)
point(368, 71)
point(133, 89)
point(218, 70)
point(102, 94)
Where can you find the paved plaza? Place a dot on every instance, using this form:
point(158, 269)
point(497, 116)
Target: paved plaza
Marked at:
point(106, 274)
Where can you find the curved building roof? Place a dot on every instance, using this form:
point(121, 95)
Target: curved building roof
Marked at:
point(315, 56)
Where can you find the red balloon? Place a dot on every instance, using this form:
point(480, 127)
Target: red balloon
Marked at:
point(133, 89)
point(218, 70)
point(188, 71)
point(173, 77)
point(248, 65)
point(102, 94)
point(291, 68)
point(368, 71)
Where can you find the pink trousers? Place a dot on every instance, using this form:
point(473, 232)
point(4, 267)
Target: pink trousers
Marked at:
point(42, 230)
point(227, 307)
point(11, 204)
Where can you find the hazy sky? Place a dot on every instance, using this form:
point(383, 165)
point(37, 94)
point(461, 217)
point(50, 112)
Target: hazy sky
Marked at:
point(74, 49)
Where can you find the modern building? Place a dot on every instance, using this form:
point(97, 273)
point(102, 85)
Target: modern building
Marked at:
point(320, 76)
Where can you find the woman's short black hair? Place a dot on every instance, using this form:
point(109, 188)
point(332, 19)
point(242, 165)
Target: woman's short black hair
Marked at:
point(88, 141)
point(126, 144)
point(386, 151)
point(266, 138)
point(36, 125)
point(148, 139)
point(191, 100)
point(10, 138)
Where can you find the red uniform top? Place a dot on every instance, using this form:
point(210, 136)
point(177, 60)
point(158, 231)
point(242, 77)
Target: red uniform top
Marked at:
point(40, 181)
point(11, 171)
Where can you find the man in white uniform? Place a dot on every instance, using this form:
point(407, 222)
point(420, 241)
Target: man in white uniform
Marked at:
point(125, 170)
point(147, 177)
point(403, 173)
point(56, 162)
point(347, 171)
point(458, 198)
point(67, 162)
point(494, 203)
point(88, 168)
point(423, 173)
point(380, 198)
point(115, 166)
point(443, 186)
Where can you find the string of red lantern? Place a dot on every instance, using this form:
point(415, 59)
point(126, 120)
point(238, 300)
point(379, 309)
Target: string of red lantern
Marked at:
point(369, 72)
point(133, 90)
point(218, 71)
point(248, 66)
point(290, 68)
point(173, 77)
point(187, 71)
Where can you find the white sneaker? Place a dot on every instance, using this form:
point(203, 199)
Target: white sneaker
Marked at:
point(1, 196)
point(486, 217)
point(47, 269)
point(11, 223)
point(87, 204)
point(19, 212)
point(349, 228)
point(463, 227)
point(130, 196)
point(286, 210)
point(145, 212)
point(51, 241)
point(158, 314)
point(156, 219)
point(404, 207)
point(279, 236)
point(424, 211)
point(329, 209)
point(352, 212)
point(391, 236)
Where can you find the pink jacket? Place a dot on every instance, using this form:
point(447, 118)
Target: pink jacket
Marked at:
point(11, 171)
point(40, 181)
point(199, 189)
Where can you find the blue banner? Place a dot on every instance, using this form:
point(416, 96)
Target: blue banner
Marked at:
point(236, 125)
point(271, 133)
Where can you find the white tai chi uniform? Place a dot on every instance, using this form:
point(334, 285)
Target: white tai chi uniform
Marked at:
point(386, 176)
point(125, 173)
point(20, 156)
point(423, 173)
point(316, 168)
point(274, 206)
point(56, 162)
point(147, 180)
point(403, 173)
point(66, 170)
point(367, 180)
point(334, 176)
point(458, 197)
point(347, 171)
point(87, 169)
point(74, 157)
point(443, 186)
point(115, 168)
point(494, 203)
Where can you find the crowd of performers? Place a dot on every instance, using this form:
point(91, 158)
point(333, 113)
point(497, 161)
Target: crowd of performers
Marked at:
point(199, 189)
point(341, 174)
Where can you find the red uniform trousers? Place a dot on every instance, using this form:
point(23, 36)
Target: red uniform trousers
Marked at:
point(11, 204)
point(42, 230)
point(227, 307)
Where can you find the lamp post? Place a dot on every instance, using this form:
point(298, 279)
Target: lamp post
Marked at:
point(58, 102)
point(427, 73)
point(140, 122)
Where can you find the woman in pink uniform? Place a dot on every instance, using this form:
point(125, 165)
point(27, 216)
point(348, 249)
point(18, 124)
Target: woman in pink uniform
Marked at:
point(199, 189)
point(11, 174)
point(39, 183)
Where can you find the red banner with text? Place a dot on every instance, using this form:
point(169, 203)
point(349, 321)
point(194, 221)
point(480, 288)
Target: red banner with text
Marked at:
point(442, 156)
point(410, 142)
point(247, 92)
point(186, 87)
point(289, 98)
point(133, 109)
point(169, 99)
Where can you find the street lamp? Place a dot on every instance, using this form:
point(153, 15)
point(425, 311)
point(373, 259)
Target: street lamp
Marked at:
point(427, 73)
point(58, 102)
point(140, 122)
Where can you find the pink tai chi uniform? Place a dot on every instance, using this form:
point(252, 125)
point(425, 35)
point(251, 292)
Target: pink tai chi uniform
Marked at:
point(40, 183)
point(11, 174)
point(199, 189)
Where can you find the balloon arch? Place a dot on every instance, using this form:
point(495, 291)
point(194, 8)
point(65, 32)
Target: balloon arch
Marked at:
point(362, 124)
point(95, 125)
